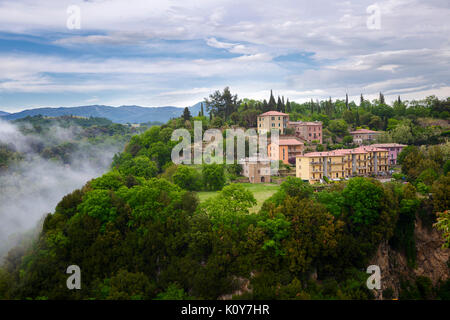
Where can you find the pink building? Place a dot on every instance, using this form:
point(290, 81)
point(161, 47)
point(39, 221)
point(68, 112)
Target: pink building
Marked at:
point(362, 135)
point(393, 148)
point(308, 131)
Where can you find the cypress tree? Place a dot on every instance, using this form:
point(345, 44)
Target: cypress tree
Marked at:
point(381, 98)
point(186, 114)
point(288, 106)
point(272, 103)
point(346, 101)
point(265, 106)
point(201, 110)
point(361, 102)
point(279, 105)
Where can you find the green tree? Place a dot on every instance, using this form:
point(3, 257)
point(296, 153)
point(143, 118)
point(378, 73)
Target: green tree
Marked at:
point(362, 198)
point(187, 178)
point(443, 224)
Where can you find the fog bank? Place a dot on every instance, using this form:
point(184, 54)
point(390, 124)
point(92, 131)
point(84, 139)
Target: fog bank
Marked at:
point(32, 187)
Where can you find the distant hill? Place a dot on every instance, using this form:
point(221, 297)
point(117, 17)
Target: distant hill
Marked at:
point(3, 113)
point(123, 114)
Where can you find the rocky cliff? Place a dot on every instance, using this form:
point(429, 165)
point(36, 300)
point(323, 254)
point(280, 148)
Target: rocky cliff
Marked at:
point(432, 261)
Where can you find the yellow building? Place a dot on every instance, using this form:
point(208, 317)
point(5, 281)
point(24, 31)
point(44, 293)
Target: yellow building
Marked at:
point(342, 164)
point(309, 167)
point(272, 120)
point(377, 159)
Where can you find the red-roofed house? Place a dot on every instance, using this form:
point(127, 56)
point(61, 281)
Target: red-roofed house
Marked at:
point(361, 135)
point(309, 131)
point(272, 120)
point(287, 148)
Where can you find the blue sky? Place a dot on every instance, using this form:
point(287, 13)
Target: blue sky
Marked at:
point(157, 53)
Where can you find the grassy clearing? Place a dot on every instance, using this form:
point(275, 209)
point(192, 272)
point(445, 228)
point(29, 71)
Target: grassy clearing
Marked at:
point(260, 191)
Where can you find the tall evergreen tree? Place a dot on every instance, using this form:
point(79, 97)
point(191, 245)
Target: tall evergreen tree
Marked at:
point(279, 105)
point(272, 103)
point(361, 102)
point(357, 121)
point(399, 100)
point(288, 106)
point(186, 114)
point(381, 98)
point(346, 101)
point(265, 106)
point(201, 110)
point(312, 106)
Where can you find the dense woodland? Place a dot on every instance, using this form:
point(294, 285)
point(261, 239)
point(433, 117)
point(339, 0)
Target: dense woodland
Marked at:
point(140, 231)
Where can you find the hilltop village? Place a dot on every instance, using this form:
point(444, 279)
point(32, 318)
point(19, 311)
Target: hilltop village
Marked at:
point(317, 167)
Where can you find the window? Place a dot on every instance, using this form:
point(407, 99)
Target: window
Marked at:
point(273, 118)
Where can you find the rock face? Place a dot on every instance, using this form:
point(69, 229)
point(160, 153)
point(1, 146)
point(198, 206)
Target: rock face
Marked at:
point(431, 260)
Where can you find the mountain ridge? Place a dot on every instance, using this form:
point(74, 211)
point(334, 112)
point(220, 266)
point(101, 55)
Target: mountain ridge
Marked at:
point(121, 114)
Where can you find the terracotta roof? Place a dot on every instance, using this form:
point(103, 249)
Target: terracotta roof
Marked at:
point(370, 148)
point(289, 142)
point(315, 154)
point(273, 113)
point(364, 131)
point(315, 123)
point(342, 152)
point(389, 145)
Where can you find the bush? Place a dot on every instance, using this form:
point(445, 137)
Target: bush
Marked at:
point(187, 178)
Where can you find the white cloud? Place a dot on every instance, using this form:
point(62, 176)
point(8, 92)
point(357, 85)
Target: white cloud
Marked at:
point(410, 51)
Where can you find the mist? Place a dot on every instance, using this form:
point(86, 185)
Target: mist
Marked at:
point(33, 186)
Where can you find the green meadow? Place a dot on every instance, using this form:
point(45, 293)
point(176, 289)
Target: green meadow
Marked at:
point(261, 192)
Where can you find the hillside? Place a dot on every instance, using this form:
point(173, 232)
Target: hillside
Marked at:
point(122, 114)
point(3, 113)
point(151, 229)
point(141, 232)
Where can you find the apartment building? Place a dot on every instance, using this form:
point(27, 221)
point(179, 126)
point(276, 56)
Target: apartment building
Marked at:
point(308, 131)
point(257, 170)
point(342, 164)
point(363, 135)
point(394, 150)
point(272, 120)
point(286, 149)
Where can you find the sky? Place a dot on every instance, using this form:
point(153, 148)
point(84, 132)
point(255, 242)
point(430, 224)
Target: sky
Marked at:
point(175, 53)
